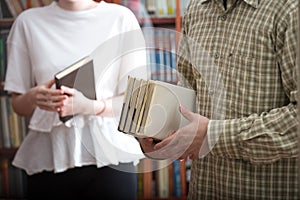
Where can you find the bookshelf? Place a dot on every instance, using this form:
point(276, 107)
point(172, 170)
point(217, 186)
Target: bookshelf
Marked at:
point(13, 182)
point(169, 26)
point(148, 179)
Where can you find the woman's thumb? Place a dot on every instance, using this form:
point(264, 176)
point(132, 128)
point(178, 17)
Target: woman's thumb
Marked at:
point(50, 83)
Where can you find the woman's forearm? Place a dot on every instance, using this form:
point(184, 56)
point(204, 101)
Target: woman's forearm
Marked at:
point(22, 104)
point(109, 107)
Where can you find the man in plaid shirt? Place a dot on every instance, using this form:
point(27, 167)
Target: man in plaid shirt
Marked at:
point(240, 58)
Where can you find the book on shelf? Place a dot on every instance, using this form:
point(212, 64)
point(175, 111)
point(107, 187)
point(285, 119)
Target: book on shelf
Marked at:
point(163, 179)
point(4, 123)
point(79, 75)
point(151, 108)
point(13, 128)
point(12, 181)
point(161, 53)
point(15, 7)
point(150, 7)
point(4, 10)
point(173, 55)
point(177, 178)
point(148, 179)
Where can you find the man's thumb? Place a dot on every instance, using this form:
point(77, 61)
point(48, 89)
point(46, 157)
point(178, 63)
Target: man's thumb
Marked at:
point(186, 113)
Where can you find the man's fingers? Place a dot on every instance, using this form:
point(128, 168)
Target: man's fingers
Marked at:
point(163, 143)
point(186, 113)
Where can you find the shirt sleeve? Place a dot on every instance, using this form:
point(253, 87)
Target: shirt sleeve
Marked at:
point(268, 136)
point(18, 75)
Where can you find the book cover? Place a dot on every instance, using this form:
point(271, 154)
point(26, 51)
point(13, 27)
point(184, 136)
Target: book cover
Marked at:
point(136, 120)
point(125, 107)
point(157, 112)
point(79, 75)
point(132, 104)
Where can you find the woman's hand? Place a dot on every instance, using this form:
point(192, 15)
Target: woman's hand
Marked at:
point(46, 98)
point(76, 103)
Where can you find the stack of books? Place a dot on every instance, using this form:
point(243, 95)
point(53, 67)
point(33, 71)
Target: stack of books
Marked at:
point(151, 108)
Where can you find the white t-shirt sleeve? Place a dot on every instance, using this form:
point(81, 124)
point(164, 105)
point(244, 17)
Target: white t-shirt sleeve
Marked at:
point(18, 75)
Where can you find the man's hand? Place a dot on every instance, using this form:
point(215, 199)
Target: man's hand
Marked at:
point(187, 141)
point(147, 145)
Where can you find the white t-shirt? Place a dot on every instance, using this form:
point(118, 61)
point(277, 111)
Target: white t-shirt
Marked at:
point(42, 42)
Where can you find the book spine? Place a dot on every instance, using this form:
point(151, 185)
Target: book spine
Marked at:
point(161, 8)
point(167, 58)
point(163, 179)
point(147, 179)
point(160, 55)
point(5, 178)
point(173, 56)
point(11, 8)
point(2, 62)
point(177, 178)
point(5, 122)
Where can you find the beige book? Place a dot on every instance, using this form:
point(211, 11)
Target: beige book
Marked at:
point(158, 114)
point(132, 105)
point(139, 106)
point(126, 101)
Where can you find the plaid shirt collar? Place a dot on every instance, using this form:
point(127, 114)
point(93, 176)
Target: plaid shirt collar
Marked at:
point(253, 3)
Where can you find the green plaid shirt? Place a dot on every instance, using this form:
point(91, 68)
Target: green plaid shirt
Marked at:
point(242, 64)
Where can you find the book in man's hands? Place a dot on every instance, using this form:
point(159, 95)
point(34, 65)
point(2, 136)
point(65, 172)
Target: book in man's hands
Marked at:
point(151, 108)
point(79, 75)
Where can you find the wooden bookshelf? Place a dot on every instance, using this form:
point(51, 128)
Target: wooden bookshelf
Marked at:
point(174, 22)
point(6, 23)
point(2, 88)
point(8, 152)
point(162, 21)
point(9, 187)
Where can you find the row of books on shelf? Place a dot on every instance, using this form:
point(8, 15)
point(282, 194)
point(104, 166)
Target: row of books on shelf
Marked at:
point(3, 53)
point(164, 181)
point(13, 126)
point(142, 8)
point(161, 51)
point(155, 8)
point(12, 8)
point(12, 181)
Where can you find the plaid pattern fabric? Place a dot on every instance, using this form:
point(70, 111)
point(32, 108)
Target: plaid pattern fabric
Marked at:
point(242, 64)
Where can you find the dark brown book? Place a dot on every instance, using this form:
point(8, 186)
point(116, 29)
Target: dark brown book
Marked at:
point(79, 75)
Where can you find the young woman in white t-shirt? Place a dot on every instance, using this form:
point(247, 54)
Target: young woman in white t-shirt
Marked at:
point(85, 157)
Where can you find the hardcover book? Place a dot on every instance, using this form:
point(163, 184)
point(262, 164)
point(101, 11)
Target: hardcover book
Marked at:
point(79, 75)
point(151, 108)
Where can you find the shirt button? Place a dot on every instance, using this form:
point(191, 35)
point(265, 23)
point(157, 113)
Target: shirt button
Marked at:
point(217, 55)
point(211, 92)
point(223, 18)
